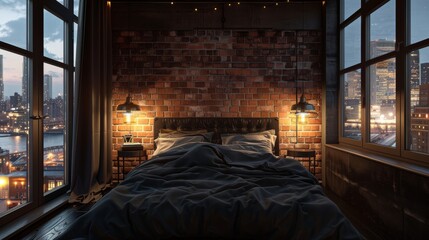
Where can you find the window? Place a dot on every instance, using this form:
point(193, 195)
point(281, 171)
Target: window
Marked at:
point(352, 44)
point(13, 23)
point(352, 102)
point(53, 37)
point(349, 7)
point(382, 102)
point(383, 72)
point(419, 29)
point(54, 125)
point(382, 30)
point(36, 73)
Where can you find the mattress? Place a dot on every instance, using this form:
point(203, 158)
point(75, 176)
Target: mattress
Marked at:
point(207, 190)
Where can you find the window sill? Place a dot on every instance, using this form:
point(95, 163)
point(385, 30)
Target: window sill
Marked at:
point(27, 220)
point(397, 163)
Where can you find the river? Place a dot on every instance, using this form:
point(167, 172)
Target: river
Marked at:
point(18, 143)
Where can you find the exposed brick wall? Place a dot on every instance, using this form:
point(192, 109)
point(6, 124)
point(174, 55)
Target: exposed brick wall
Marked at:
point(217, 73)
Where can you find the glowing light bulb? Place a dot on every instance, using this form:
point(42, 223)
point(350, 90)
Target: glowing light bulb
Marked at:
point(127, 117)
point(215, 8)
point(196, 9)
point(301, 116)
point(172, 3)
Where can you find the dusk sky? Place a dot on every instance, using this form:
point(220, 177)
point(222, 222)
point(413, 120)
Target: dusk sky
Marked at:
point(13, 31)
point(383, 25)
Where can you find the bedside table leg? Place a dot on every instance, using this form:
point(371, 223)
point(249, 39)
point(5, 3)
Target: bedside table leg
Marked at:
point(123, 168)
point(314, 166)
point(117, 169)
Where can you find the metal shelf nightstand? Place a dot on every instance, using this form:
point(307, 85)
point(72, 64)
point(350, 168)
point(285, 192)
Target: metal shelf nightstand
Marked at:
point(310, 156)
point(129, 153)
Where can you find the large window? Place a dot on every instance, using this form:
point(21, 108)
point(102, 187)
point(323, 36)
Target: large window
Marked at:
point(384, 76)
point(382, 103)
point(417, 82)
point(37, 51)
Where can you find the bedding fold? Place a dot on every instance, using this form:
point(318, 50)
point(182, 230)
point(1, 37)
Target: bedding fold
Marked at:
point(204, 190)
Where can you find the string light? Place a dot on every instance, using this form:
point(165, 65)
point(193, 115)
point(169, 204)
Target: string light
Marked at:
point(239, 4)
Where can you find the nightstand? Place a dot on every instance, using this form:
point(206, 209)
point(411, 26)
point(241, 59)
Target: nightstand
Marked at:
point(304, 155)
point(129, 153)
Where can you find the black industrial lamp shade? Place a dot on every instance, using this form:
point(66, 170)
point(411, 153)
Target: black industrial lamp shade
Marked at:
point(303, 106)
point(128, 106)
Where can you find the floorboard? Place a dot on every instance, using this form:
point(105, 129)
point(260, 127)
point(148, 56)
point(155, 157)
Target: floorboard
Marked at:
point(55, 225)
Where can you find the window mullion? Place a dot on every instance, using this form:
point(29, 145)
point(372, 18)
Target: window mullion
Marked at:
point(401, 76)
point(36, 104)
point(364, 51)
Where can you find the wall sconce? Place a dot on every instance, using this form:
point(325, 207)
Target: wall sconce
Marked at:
point(302, 108)
point(127, 108)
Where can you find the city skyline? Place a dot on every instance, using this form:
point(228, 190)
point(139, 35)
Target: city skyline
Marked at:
point(13, 25)
point(15, 83)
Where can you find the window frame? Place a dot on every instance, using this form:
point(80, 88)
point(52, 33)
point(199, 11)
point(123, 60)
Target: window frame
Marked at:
point(402, 49)
point(35, 54)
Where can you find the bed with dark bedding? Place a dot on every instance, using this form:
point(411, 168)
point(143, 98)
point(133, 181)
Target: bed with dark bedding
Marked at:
point(208, 190)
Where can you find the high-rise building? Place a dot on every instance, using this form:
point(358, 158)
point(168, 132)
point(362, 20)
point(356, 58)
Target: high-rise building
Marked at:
point(15, 100)
point(414, 77)
point(382, 74)
point(424, 95)
point(381, 46)
point(47, 87)
point(424, 73)
point(25, 79)
point(1, 79)
point(419, 125)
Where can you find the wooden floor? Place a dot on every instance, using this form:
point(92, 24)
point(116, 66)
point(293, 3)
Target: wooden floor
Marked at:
point(54, 225)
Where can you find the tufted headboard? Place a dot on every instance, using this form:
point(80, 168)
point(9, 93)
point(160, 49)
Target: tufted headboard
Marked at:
point(219, 126)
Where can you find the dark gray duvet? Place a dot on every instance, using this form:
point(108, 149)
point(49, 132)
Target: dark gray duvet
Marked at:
point(212, 191)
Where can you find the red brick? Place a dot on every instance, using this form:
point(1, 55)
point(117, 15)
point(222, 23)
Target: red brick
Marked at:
point(216, 73)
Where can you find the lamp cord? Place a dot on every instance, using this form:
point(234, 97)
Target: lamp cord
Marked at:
point(296, 86)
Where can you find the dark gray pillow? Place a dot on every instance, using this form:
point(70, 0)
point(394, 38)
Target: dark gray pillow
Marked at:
point(256, 137)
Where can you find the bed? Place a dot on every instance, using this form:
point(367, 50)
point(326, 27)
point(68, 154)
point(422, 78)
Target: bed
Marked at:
point(221, 182)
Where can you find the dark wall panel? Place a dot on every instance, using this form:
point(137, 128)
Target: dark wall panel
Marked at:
point(388, 201)
point(182, 16)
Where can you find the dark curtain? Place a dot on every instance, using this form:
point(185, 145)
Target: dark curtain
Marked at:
point(91, 165)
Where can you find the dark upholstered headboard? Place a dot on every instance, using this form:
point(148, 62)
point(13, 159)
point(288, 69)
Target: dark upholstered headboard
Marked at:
point(219, 126)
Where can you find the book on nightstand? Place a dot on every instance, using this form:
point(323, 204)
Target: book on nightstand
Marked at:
point(132, 146)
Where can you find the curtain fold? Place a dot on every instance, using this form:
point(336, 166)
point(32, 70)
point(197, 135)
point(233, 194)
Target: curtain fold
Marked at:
point(91, 165)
